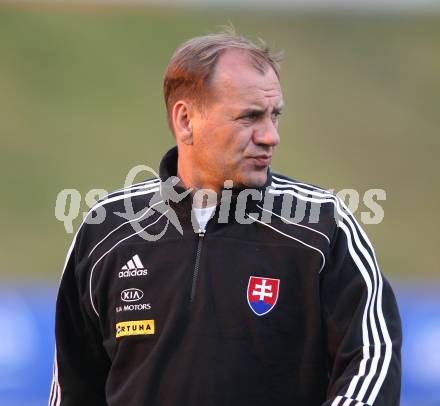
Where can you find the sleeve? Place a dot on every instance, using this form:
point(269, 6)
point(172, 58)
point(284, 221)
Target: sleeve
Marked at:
point(80, 363)
point(362, 323)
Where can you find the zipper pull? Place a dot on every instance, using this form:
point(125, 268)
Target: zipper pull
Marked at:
point(201, 232)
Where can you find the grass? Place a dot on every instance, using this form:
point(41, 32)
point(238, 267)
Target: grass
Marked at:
point(81, 104)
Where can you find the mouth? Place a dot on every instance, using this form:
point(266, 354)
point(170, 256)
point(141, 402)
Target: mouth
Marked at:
point(262, 160)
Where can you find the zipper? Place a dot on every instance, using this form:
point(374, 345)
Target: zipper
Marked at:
point(196, 265)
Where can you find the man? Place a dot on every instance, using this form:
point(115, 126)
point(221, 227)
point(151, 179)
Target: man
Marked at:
point(212, 294)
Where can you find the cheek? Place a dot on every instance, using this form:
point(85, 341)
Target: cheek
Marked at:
point(237, 137)
point(241, 142)
point(224, 145)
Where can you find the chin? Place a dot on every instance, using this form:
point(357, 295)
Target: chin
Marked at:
point(255, 180)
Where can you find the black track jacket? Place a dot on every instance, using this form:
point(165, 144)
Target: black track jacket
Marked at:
point(267, 306)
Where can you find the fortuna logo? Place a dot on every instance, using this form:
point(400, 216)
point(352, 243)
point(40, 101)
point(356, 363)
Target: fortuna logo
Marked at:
point(133, 267)
point(262, 294)
point(134, 328)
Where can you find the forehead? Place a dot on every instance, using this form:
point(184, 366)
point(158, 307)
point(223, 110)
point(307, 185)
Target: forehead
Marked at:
point(236, 80)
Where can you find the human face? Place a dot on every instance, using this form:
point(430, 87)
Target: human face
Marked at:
point(235, 137)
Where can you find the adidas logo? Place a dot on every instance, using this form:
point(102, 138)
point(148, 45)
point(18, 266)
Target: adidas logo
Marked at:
point(133, 267)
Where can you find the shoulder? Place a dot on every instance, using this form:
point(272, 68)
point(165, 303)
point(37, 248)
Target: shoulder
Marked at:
point(137, 194)
point(283, 183)
point(313, 206)
point(119, 207)
point(296, 203)
point(304, 193)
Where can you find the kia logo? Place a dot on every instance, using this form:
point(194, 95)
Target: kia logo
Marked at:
point(132, 295)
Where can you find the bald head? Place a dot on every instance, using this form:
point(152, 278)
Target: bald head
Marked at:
point(235, 77)
point(189, 73)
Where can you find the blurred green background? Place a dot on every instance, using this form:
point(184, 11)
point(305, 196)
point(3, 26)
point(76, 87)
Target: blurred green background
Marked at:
point(81, 104)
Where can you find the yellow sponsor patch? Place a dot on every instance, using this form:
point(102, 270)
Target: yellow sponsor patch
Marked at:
point(134, 328)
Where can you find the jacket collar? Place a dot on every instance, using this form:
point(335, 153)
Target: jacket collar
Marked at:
point(180, 199)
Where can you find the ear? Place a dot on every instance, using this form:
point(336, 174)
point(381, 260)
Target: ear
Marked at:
point(182, 125)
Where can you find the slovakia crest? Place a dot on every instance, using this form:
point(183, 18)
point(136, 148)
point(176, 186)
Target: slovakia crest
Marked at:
point(262, 294)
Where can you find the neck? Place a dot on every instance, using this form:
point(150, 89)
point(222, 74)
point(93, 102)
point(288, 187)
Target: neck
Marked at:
point(205, 194)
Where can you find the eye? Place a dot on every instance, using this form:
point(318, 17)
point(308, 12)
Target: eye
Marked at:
point(252, 116)
point(275, 116)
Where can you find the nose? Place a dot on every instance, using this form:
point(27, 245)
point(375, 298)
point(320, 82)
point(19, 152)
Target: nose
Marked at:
point(267, 134)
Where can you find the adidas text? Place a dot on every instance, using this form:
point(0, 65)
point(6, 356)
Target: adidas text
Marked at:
point(134, 272)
